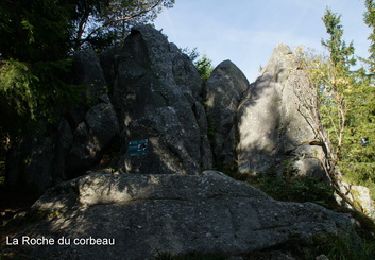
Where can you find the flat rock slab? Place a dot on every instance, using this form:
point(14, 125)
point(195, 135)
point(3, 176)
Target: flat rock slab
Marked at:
point(151, 214)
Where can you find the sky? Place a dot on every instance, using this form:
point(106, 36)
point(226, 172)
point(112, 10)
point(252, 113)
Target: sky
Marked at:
point(246, 31)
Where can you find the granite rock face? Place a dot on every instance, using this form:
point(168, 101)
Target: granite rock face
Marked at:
point(359, 196)
point(87, 71)
point(159, 199)
point(91, 137)
point(274, 135)
point(94, 122)
point(224, 91)
point(157, 95)
point(174, 214)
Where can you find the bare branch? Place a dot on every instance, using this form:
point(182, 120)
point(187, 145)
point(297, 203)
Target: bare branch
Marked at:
point(124, 18)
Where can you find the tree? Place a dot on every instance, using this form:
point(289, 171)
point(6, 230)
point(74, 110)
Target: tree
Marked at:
point(204, 67)
point(35, 58)
point(358, 152)
point(201, 62)
point(339, 53)
point(35, 31)
point(325, 112)
point(35, 53)
point(369, 19)
point(34, 61)
point(101, 22)
point(336, 81)
point(342, 113)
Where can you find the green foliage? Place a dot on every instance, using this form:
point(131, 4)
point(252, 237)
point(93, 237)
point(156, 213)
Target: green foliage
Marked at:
point(345, 113)
point(35, 55)
point(369, 19)
point(347, 107)
point(103, 22)
point(47, 29)
point(16, 86)
point(340, 54)
point(37, 30)
point(342, 247)
point(33, 92)
point(295, 189)
point(358, 158)
point(201, 62)
point(204, 67)
point(33, 62)
point(193, 54)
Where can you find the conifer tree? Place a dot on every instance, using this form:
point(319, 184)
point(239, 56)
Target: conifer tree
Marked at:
point(340, 54)
point(369, 19)
point(345, 115)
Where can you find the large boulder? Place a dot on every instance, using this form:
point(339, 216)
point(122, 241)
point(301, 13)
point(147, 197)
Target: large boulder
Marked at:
point(224, 91)
point(157, 94)
point(147, 215)
point(274, 130)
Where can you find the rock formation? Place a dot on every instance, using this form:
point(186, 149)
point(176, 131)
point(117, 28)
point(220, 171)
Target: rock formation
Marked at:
point(157, 94)
point(157, 97)
point(274, 133)
point(224, 91)
point(93, 130)
point(51, 154)
point(159, 199)
point(152, 214)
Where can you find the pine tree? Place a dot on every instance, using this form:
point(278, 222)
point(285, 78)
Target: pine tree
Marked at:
point(340, 54)
point(369, 19)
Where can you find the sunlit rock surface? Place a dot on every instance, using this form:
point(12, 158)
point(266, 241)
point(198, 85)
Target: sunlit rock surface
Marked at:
point(152, 214)
point(274, 132)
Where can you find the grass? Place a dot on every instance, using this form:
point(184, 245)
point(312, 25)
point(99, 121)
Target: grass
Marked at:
point(340, 247)
point(295, 189)
point(343, 247)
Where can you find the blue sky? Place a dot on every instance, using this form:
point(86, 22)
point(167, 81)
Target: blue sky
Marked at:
point(246, 31)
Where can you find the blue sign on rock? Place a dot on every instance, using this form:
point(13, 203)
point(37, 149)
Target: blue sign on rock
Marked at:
point(138, 147)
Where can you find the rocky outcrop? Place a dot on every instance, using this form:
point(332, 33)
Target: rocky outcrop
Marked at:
point(53, 153)
point(87, 71)
point(274, 133)
point(360, 197)
point(91, 137)
point(151, 214)
point(157, 95)
point(95, 128)
point(158, 200)
point(224, 91)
